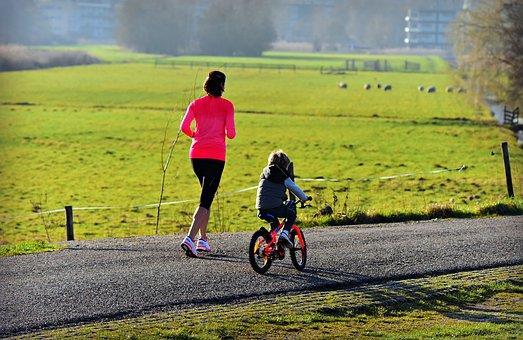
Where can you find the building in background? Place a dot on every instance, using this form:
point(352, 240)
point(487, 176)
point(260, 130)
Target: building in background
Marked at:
point(429, 28)
point(81, 21)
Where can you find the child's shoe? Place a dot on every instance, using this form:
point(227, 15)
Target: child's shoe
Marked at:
point(203, 245)
point(285, 240)
point(189, 247)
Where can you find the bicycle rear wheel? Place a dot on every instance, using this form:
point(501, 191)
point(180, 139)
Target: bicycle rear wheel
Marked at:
point(258, 258)
point(298, 251)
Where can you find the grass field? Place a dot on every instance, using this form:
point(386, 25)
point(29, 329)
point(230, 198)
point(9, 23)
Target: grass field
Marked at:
point(483, 304)
point(91, 136)
point(114, 54)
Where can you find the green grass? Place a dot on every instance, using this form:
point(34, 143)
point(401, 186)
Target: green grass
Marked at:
point(114, 54)
point(301, 93)
point(481, 304)
point(27, 247)
point(93, 138)
point(108, 53)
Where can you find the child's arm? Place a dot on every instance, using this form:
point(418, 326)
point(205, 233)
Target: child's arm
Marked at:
point(295, 189)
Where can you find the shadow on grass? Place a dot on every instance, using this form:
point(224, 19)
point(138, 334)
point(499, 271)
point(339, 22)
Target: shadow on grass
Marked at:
point(398, 298)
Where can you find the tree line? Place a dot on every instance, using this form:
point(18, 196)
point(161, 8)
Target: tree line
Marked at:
point(489, 48)
point(240, 27)
point(248, 27)
point(227, 27)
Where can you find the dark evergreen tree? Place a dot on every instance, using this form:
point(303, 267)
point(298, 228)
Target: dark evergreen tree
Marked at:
point(158, 26)
point(236, 27)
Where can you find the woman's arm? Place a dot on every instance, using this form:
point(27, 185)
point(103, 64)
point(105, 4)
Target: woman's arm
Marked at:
point(229, 123)
point(185, 126)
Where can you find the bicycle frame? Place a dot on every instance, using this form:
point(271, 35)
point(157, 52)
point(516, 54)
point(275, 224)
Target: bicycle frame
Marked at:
point(271, 249)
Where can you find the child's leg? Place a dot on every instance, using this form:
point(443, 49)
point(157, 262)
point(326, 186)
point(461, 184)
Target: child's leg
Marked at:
point(290, 215)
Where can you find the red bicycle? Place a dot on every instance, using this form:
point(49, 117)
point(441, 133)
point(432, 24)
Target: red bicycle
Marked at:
point(264, 247)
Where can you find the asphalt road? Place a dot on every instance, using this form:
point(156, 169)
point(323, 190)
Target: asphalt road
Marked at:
point(114, 278)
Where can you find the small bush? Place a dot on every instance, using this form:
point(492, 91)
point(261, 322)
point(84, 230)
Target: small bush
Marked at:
point(13, 58)
point(445, 211)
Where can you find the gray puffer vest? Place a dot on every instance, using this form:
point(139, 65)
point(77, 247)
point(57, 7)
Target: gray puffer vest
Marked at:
point(271, 188)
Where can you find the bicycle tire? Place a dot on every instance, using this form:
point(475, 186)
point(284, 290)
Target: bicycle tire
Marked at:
point(298, 263)
point(254, 253)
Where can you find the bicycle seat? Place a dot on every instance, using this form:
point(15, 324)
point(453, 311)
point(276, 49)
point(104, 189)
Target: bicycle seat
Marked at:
point(267, 217)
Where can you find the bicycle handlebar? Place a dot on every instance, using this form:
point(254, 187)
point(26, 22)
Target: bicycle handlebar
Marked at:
point(302, 203)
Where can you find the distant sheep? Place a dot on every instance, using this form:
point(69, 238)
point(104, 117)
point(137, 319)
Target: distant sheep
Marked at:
point(367, 86)
point(387, 87)
point(431, 89)
point(342, 85)
point(421, 88)
point(449, 89)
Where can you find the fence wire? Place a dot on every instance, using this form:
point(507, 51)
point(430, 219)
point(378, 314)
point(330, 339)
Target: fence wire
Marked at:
point(235, 192)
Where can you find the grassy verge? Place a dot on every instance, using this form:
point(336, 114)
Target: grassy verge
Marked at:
point(27, 247)
point(477, 304)
point(91, 136)
point(505, 207)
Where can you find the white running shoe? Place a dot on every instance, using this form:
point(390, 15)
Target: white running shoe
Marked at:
point(189, 247)
point(203, 245)
point(284, 238)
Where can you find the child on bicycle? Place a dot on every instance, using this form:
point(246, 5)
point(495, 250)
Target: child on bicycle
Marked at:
point(271, 200)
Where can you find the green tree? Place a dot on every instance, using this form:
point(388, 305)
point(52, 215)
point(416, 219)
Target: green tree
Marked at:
point(159, 26)
point(236, 27)
point(489, 48)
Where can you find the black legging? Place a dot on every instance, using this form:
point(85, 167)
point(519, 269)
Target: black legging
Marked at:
point(209, 173)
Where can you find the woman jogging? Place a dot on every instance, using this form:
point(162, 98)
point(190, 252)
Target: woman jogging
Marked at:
point(214, 118)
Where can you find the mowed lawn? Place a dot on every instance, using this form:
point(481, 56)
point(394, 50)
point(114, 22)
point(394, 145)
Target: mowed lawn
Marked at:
point(286, 92)
point(115, 54)
point(91, 136)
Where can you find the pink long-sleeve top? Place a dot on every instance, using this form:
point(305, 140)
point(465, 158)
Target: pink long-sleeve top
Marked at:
point(214, 118)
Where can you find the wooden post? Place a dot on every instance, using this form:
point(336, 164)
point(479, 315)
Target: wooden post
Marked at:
point(508, 175)
point(69, 222)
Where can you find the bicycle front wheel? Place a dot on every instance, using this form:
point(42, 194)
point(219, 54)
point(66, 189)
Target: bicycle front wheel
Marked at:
point(298, 251)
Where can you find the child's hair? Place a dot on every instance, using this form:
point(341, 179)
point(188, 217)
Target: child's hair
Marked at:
point(215, 83)
point(279, 158)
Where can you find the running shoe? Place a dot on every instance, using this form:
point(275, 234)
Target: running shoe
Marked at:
point(189, 247)
point(284, 239)
point(203, 245)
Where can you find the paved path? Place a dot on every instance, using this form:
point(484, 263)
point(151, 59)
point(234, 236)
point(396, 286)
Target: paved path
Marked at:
point(114, 278)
